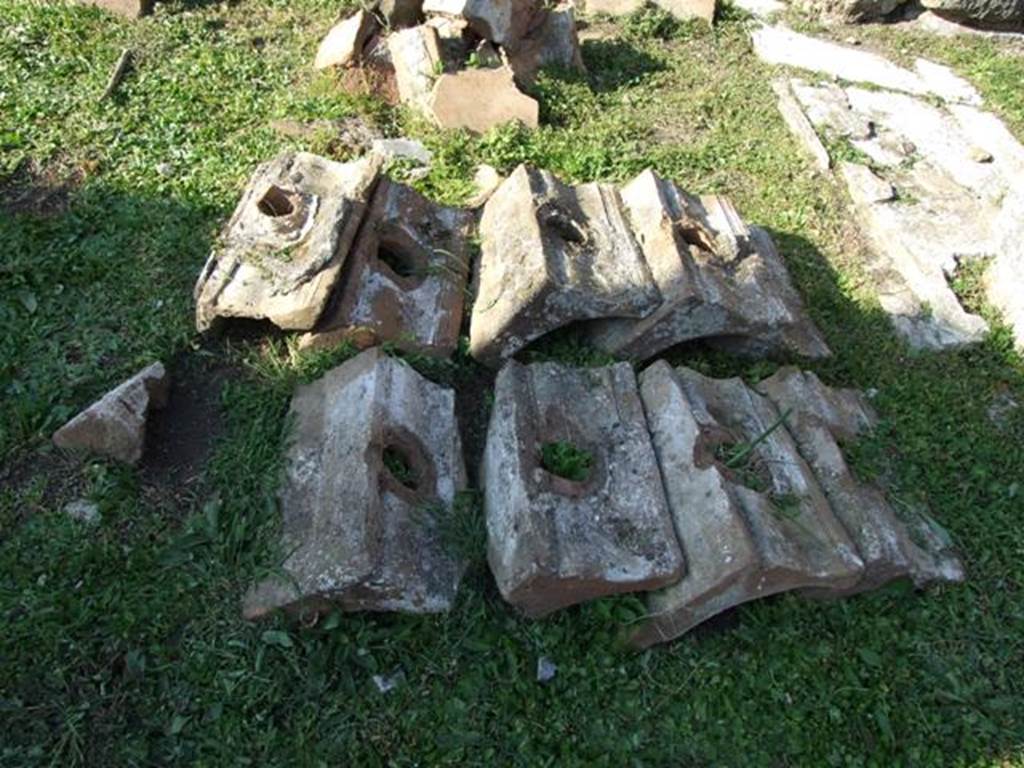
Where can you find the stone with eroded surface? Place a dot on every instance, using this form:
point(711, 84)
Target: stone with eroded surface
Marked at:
point(405, 279)
point(553, 43)
point(371, 476)
point(551, 255)
point(281, 253)
point(555, 541)
point(115, 425)
point(719, 279)
point(480, 99)
point(343, 45)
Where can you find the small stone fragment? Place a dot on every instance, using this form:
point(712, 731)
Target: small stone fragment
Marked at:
point(800, 126)
point(486, 179)
point(719, 280)
point(480, 99)
point(751, 518)
point(557, 540)
point(979, 155)
point(546, 670)
point(344, 43)
point(282, 251)
point(614, 7)
point(402, 149)
point(371, 474)
point(405, 278)
point(684, 10)
point(417, 60)
point(115, 425)
point(386, 684)
point(552, 43)
point(551, 255)
point(83, 511)
point(132, 9)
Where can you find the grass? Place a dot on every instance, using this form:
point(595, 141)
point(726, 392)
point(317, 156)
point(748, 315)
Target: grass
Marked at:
point(566, 460)
point(123, 643)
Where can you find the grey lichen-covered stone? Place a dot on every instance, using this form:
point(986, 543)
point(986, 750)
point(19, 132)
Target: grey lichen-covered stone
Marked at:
point(115, 425)
point(989, 14)
point(852, 10)
point(551, 255)
point(718, 278)
point(552, 541)
point(553, 43)
point(405, 278)
point(752, 529)
point(282, 251)
point(820, 419)
point(359, 533)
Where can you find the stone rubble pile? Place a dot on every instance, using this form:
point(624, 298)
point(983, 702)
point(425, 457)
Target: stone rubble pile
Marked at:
point(462, 63)
point(338, 251)
point(938, 182)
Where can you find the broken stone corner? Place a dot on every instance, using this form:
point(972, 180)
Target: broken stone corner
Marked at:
point(115, 425)
point(371, 475)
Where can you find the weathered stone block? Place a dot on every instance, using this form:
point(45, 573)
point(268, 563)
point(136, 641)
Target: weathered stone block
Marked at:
point(551, 255)
point(718, 278)
point(417, 58)
point(552, 43)
point(820, 418)
point(372, 473)
point(500, 21)
point(480, 99)
point(399, 14)
point(553, 541)
point(115, 425)
point(405, 279)
point(343, 45)
point(751, 518)
point(282, 251)
point(989, 14)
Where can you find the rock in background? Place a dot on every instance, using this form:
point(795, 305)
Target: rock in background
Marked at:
point(372, 474)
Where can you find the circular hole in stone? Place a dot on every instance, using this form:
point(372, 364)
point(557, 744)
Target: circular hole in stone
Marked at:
point(566, 460)
point(403, 259)
point(398, 260)
point(399, 466)
point(276, 202)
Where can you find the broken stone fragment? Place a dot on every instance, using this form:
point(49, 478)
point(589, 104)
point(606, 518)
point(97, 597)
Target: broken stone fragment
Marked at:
point(486, 179)
point(554, 541)
point(371, 476)
point(417, 59)
point(499, 21)
point(403, 149)
point(851, 11)
point(405, 278)
point(751, 518)
point(115, 425)
point(131, 9)
point(684, 10)
point(344, 43)
point(799, 125)
point(988, 14)
point(551, 43)
point(480, 99)
point(718, 278)
point(613, 7)
point(282, 251)
point(552, 255)
point(820, 419)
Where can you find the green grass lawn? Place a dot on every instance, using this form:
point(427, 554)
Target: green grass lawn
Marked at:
point(123, 644)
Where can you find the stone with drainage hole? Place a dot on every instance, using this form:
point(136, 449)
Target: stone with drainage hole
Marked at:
point(115, 425)
point(820, 418)
point(719, 280)
point(480, 99)
point(283, 249)
point(551, 255)
point(555, 541)
point(751, 517)
point(371, 477)
point(405, 278)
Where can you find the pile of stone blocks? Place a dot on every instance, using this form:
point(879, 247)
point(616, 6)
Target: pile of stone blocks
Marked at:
point(462, 63)
point(935, 181)
point(372, 473)
point(684, 10)
point(337, 251)
point(705, 493)
point(642, 269)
